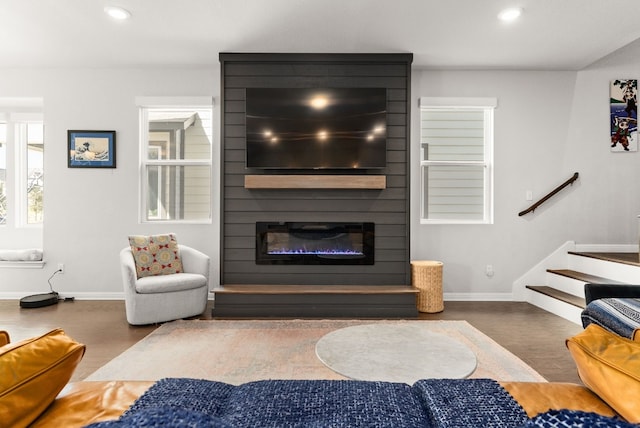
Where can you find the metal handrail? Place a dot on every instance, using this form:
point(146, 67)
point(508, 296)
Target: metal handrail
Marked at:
point(533, 207)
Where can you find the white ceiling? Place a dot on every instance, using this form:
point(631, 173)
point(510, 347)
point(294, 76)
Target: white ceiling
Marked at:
point(551, 34)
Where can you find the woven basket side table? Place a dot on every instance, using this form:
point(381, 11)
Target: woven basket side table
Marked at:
point(426, 276)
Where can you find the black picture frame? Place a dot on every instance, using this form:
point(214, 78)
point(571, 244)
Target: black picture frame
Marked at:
point(91, 149)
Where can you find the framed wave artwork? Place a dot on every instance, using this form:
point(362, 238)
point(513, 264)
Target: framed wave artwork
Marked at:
point(91, 149)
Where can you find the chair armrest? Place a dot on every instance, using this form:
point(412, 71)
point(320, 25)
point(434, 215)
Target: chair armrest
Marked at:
point(128, 269)
point(602, 291)
point(194, 261)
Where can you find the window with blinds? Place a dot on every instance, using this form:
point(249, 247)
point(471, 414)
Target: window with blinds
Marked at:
point(456, 142)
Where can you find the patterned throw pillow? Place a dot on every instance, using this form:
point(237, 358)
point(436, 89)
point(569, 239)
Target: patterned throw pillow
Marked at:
point(156, 254)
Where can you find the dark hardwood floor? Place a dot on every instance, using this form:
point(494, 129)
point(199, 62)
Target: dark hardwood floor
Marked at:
point(535, 336)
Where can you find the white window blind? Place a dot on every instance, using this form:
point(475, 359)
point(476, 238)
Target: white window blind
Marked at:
point(456, 143)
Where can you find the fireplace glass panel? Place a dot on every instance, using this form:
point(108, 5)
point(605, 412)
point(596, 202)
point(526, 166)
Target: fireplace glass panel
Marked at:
point(314, 243)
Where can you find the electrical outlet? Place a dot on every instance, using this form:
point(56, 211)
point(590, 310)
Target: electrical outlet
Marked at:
point(489, 271)
point(61, 267)
point(529, 195)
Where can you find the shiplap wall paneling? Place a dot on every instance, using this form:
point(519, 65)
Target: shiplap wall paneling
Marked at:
point(387, 208)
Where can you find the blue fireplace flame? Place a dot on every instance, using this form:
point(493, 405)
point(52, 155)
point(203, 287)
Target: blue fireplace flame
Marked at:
point(303, 251)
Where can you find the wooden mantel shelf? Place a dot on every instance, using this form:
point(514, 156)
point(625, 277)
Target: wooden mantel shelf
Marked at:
point(376, 182)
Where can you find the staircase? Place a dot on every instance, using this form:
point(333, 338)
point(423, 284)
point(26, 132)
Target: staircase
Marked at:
point(557, 283)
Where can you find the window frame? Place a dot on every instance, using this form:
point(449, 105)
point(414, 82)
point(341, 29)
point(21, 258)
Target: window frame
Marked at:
point(17, 177)
point(488, 106)
point(145, 104)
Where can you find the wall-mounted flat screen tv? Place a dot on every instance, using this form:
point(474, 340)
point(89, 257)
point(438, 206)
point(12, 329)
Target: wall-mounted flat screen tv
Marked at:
point(327, 128)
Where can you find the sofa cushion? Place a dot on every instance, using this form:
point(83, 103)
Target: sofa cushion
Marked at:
point(167, 284)
point(468, 403)
point(33, 372)
point(609, 365)
point(156, 254)
point(28, 255)
point(85, 402)
point(460, 403)
point(162, 417)
point(540, 397)
point(277, 403)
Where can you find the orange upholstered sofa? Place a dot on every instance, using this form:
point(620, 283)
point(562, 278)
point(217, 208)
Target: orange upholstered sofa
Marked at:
point(34, 388)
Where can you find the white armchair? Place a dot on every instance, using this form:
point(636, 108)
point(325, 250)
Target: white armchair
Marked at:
point(160, 298)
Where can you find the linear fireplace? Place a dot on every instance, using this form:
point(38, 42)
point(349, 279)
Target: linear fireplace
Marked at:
point(313, 243)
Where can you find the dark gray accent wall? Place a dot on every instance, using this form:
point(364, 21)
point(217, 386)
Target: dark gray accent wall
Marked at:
point(242, 208)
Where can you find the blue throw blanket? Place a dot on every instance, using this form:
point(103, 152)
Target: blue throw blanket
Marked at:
point(323, 403)
point(618, 315)
point(466, 403)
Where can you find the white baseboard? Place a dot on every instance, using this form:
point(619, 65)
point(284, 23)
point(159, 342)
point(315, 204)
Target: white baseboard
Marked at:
point(93, 296)
point(13, 295)
point(77, 296)
point(461, 297)
point(478, 297)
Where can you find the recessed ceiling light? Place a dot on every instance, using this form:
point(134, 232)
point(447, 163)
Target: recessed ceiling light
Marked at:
point(511, 14)
point(117, 12)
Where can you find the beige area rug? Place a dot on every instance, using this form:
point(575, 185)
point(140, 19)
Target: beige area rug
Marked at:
point(242, 351)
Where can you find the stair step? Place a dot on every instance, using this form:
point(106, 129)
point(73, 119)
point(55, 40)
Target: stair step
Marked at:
point(559, 295)
point(624, 258)
point(585, 277)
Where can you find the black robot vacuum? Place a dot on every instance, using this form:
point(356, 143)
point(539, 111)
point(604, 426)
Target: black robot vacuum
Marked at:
point(39, 300)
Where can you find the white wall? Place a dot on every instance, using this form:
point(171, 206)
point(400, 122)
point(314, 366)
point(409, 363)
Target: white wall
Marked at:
point(531, 127)
point(607, 210)
point(548, 126)
point(90, 212)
